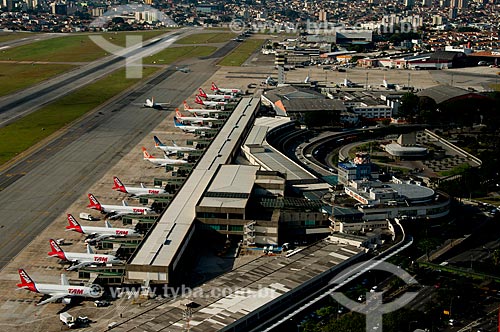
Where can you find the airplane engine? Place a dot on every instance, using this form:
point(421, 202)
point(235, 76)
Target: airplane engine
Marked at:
point(66, 300)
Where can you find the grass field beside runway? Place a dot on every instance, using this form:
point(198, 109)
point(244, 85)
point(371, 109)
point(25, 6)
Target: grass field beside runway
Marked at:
point(74, 48)
point(207, 38)
point(15, 77)
point(31, 129)
point(241, 53)
point(172, 54)
point(8, 36)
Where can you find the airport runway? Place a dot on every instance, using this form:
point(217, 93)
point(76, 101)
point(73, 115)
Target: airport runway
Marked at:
point(24, 102)
point(28, 39)
point(47, 182)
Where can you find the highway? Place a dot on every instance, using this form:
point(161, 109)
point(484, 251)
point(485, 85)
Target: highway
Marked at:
point(41, 186)
point(24, 102)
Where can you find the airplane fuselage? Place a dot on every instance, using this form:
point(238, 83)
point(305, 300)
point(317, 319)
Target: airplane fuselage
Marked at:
point(94, 258)
point(118, 232)
point(139, 191)
point(124, 209)
point(50, 289)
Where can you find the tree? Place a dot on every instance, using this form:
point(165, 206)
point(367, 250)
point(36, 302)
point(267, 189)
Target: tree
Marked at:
point(409, 105)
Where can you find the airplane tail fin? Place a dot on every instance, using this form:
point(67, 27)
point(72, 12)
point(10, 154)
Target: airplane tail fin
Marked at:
point(148, 103)
point(26, 281)
point(94, 203)
point(214, 87)
point(202, 93)
point(146, 154)
point(56, 250)
point(177, 122)
point(118, 185)
point(73, 224)
point(198, 100)
point(177, 113)
point(157, 141)
point(186, 106)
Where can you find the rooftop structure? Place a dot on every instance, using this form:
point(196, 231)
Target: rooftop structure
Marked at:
point(264, 286)
point(161, 252)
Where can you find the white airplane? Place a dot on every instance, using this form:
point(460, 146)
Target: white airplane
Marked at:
point(116, 211)
point(135, 191)
point(64, 291)
point(347, 83)
point(81, 259)
point(150, 103)
point(269, 81)
point(201, 111)
point(189, 128)
point(202, 93)
point(159, 162)
point(183, 69)
point(387, 85)
point(216, 89)
point(207, 103)
point(171, 149)
point(99, 233)
point(195, 118)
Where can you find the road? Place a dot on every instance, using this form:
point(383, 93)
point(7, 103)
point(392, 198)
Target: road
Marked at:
point(40, 187)
point(24, 102)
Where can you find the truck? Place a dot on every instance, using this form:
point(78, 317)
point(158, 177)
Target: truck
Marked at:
point(67, 319)
point(87, 216)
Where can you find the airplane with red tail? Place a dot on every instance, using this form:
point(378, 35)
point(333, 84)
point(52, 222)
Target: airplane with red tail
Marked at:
point(99, 233)
point(81, 259)
point(136, 191)
point(63, 292)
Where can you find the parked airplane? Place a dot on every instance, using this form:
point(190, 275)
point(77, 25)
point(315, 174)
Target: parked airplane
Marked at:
point(207, 103)
point(171, 149)
point(216, 89)
point(189, 128)
point(195, 118)
point(99, 233)
point(150, 103)
point(387, 85)
point(115, 211)
point(81, 259)
point(64, 291)
point(159, 162)
point(202, 93)
point(201, 111)
point(269, 81)
point(135, 191)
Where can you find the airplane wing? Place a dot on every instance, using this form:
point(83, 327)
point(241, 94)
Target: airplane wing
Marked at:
point(102, 237)
point(79, 266)
point(54, 298)
point(117, 214)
